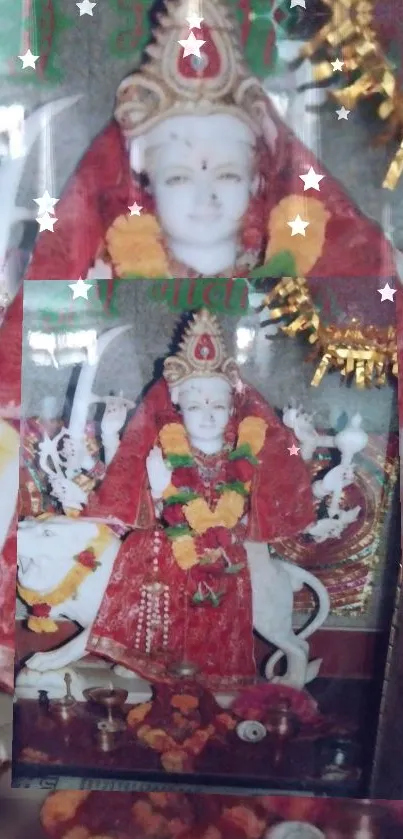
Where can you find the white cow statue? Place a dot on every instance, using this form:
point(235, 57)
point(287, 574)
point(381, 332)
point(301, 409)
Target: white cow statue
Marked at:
point(46, 550)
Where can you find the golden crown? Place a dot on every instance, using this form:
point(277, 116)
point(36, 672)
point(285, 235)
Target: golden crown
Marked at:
point(169, 84)
point(202, 352)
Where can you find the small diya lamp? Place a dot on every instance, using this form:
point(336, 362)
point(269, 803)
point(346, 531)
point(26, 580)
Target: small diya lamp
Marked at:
point(282, 725)
point(110, 699)
point(64, 709)
point(109, 730)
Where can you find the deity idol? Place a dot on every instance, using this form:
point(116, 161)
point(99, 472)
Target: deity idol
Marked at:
point(202, 472)
point(196, 176)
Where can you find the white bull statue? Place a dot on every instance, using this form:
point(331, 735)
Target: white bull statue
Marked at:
point(46, 556)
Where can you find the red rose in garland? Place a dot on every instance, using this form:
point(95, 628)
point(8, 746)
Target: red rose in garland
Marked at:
point(240, 470)
point(215, 537)
point(41, 610)
point(87, 559)
point(186, 477)
point(173, 515)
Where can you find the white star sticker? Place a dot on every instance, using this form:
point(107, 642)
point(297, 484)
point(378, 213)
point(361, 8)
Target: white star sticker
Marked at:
point(86, 8)
point(293, 449)
point(135, 209)
point(311, 180)
point(337, 65)
point(46, 204)
point(46, 222)
point(28, 60)
point(295, 3)
point(194, 21)
point(191, 46)
point(298, 226)
point(80, 289)
point(343, 113)
point(387, 293)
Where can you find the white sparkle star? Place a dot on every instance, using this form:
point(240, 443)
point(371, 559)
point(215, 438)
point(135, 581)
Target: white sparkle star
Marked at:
point(294, 450)
point(80, 289)
point(311, 179)
point(135, 209)
point(343, 113)
point(298, 226)
point(191, 46)
point(300, 3)
point(28, 60)
point(194, 21)
point(337, 65)
point(86, 8)
point(46, 204)
point(387, 293)
point(46, 222)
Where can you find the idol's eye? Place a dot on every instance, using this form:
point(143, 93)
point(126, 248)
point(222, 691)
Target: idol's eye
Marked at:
point(193, 408)
point(219, 407)
point(230, 176)
point(251, 731)
point(177, 180)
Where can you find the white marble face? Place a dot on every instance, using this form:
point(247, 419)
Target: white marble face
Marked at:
point(46, 550)
point(205, 404)
point(201, 172)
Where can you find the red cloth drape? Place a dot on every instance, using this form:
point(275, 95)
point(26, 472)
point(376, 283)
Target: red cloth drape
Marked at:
point(102, 188)
point(281, 504)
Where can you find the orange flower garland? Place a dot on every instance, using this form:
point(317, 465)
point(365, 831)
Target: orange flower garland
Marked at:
point(135, 246)
point(85, 563)
point(197, 514)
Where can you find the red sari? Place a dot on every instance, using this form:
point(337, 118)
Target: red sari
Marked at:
point(214, 637)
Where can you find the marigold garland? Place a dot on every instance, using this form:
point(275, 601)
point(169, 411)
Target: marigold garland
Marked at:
point(134, 244)
point(307, 249)
point(197, 517)
point(176, 754)
point(41, 604)
point(369, 353)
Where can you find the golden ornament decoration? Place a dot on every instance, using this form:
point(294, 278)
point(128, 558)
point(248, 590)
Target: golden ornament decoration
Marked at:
point(351, 36)
point(367, 353)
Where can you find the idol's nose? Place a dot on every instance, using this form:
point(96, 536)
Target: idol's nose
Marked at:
point(208, 417)
point(207, 198)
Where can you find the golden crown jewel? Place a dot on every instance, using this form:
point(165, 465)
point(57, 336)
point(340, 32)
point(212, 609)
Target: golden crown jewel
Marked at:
point(168, 84)
point(202, 352)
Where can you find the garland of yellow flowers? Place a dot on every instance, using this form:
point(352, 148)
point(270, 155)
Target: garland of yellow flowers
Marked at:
point(86, 564)
point(368, 353)
point(198, 514)
point(351, 35)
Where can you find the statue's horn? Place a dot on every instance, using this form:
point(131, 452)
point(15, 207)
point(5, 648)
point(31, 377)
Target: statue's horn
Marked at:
point(83, 391)
point(12, 171)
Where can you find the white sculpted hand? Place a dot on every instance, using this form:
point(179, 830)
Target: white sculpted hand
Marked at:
point(114, 417)
point(159, 474)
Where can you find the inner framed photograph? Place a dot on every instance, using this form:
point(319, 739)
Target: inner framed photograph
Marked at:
point(208, 540)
